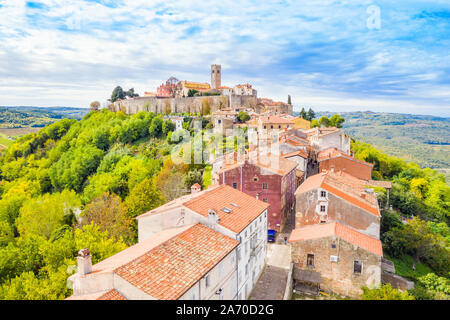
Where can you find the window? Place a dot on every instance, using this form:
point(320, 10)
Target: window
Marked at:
point(279, 127)
point(322, 208)
point(207, 281)
point(238, 253)
point(271, 127)
point(264, 127)
point(333, 245)
point(310, 260)
point(255, 179)
point(246, 269)
point(264, 186)
point(265, 199)
point(357, 267)
point(235, 185)
point(323, 194)
point(219, 121)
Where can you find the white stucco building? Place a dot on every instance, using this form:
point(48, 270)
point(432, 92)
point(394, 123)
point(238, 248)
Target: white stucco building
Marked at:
point(206, 245)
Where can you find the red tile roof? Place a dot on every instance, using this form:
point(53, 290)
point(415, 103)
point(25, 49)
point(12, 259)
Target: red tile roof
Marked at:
point(275, 120)
point(334, 153)
point(337, 229)
point(274, 163)
point(111, 295)
point(167, 271)
point(248, 208)
point(344, 186)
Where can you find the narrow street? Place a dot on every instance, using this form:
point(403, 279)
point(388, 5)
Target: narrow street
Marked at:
point(272, 282)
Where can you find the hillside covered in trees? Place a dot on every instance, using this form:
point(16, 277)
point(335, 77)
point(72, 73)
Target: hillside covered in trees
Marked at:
point(77, 184)
point(422, 139)
point(81, 183)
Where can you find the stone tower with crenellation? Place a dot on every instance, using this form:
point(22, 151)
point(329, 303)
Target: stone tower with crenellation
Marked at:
point(216, 70)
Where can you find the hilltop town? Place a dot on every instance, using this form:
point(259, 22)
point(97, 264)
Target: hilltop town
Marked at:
point(298, 187)
point(199, 191)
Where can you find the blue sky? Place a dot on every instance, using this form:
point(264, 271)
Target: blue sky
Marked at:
point(329, 55)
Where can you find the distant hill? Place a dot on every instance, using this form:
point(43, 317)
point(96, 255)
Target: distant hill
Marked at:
point(17, 121)
point(419, 138)
point(17, 117)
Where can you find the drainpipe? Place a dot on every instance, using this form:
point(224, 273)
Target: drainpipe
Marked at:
point(241, 178)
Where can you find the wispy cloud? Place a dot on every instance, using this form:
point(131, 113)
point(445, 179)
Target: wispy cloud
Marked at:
point(322, 53)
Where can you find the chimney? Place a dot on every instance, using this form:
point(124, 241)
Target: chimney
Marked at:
point(84, 261)
point(363, 195)
point(212, 217)
point(195, 188)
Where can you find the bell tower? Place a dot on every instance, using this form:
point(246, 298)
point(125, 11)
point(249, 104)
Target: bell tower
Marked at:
point(216, 74)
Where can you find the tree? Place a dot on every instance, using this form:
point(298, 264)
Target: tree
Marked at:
point(110, 214)
point(324, 122)
point(289, 99)
point(385, 292)
point(303, 114)
point(193, 177)
point(43, 215)
point(314, 123)
point(117, 94)
point(311, 114)
point(94, 106)
point(336, 121)
point(192, 92)
point(167, 127)
point(417, 237)
point(156, 127)
point(144, 197)
point(130, 93)
point(243, 116)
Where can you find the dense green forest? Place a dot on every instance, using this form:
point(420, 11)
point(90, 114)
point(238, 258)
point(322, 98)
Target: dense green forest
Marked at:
point(77, 184)
point(420, 249)
point(422, 139)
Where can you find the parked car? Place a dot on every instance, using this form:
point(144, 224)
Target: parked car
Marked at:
point(271, 235)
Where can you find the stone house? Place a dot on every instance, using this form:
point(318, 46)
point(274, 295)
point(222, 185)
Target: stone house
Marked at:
point(190, 262)
point(333, 159)
point(336, 196)
point(324, 138)
point(266, 177)
point(335, 258)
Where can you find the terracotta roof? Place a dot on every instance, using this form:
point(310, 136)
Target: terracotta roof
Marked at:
point(196, 185)
point(246, 210)
point(300, 153)
point(274, 163)
point(111, 295)
point(321, 131)
point(217, 197)
point(275, 119)
point(129, 254)
point(169, 270)
point(382, 184)
point(334, 153)
point(337, 229)
point(344, 186)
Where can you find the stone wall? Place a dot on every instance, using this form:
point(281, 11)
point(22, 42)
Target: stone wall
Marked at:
point(338, 277)
point(181, 105)
point(338, 210)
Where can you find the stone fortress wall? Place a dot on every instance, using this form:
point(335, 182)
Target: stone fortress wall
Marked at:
point(187, 104)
